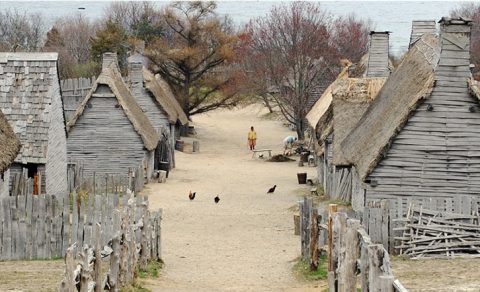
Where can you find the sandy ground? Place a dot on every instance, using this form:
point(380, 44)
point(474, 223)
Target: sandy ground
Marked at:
point(31, 275)
point(438, 275)
point(246, 241)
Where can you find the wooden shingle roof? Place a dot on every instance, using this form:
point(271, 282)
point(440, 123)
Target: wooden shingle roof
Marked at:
point(28, 83)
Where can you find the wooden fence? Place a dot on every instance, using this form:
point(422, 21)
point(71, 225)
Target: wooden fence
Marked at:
point(110, 265)
point(352, 251)
point(78, 182)
point(346, 242)
point(42, 227)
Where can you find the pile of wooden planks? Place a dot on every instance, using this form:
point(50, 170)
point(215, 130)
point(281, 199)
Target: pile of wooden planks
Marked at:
point(428, 234)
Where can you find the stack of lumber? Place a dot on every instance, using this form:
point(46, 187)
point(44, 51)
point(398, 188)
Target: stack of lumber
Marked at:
point(429, 233)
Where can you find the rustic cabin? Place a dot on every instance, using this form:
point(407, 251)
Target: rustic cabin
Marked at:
point(419, 139)
point(9, 149)
point(30, 100)
point(351, 93)
point(109, 133)
point(152, 96)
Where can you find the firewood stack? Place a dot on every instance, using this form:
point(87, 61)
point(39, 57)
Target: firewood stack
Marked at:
point(428, 234)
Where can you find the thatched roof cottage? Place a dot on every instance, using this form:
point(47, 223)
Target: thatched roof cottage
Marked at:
point(109, 133)
point(30, 99)
point(158, 103)
point(339, 109)
point(419, 138)
point(9, 149)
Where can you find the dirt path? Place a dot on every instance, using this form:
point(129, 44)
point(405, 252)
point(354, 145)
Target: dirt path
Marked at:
point(246, 242)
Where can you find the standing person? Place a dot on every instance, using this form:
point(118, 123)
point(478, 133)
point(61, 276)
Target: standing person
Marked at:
point(288, 144)
point(252, 138)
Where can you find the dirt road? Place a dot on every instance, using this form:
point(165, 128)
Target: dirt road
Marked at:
point(246, 241)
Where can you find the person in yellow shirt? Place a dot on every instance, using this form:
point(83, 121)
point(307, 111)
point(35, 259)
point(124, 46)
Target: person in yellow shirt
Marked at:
point(252, 138)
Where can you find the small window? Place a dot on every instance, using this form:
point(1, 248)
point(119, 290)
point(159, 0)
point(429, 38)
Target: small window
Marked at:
point(89, 105)
point(117, 105)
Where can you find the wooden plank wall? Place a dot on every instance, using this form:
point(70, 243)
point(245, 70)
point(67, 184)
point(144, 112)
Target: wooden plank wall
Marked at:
point(378, 55)
point(437, 153)
point(73, 92)
point(420, 27)
point(43, 227)
point(105, 143)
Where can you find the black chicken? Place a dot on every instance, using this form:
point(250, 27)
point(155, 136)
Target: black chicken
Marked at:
point(216, 199)
point(272, 189)
point(191, 196)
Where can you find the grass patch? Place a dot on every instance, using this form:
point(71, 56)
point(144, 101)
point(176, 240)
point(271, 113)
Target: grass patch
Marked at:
point(134, 287)
point(302, 269)
point(340, 202)
point(152, 270)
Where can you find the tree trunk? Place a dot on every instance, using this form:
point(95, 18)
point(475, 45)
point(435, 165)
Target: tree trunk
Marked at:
point(267, 103)
point(300, 128)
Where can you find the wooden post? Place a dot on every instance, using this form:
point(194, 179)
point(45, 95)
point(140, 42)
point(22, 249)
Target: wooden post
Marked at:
point(314, 240)
point(98, 258)
point(385, 283)
point(332, 209)
point(375, 260)
point(196, 146)
point(348, 266)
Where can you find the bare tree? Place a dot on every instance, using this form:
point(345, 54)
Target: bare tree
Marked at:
point(350, 36)
point(20, 31)
point(293, 45)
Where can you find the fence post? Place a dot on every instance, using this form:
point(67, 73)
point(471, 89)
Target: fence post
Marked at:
point(348, 266)
point(314, 240)
point(332, 209)
point(98, 259)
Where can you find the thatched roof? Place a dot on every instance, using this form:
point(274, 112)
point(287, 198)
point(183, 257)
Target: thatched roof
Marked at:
point(412, 81)
point(164, 96)
point(351, 98)
point(9, 144)
point(323, 104)
point(111, 77)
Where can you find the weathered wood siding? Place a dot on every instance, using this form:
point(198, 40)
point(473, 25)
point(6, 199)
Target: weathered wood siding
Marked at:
point(377, 65)
point(73, 92)
point(420, 27)
point(56, 166)
point(104, 139)
point(4, 183)
point(328, 167)
point(437, 154)
point(145, 100)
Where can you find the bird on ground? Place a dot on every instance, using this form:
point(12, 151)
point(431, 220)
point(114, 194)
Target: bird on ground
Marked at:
point(191, 196)
point(216, 199)
point(260, 156)
point(272, 189)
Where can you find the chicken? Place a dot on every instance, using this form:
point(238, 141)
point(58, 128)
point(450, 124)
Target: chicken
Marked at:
point(216, 199)
point(191, 196)
point(272, 189)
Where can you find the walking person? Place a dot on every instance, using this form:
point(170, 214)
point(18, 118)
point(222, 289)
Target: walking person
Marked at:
point(252, 138)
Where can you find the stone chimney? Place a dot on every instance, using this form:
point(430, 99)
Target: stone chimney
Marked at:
point(455, 47)
point(420, 27)
point(377, 65)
